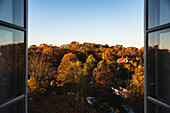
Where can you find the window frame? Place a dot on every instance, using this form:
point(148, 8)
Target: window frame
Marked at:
point(25, 30)
point(148, 30)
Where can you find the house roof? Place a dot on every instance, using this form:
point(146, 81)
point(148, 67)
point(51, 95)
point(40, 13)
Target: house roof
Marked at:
point(122, 59)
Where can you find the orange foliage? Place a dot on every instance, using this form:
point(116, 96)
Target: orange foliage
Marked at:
point(70, 69)
point(101, 78)
point(109, 54)
point(36, 87)
point(66, 60)
point(67, 66)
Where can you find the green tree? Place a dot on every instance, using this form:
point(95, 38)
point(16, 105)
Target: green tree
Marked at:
point(89, 65)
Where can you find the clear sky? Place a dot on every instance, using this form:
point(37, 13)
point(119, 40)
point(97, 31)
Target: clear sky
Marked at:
point(110, 22)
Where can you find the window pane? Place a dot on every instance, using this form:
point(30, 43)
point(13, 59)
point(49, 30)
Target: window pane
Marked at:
point(158, 12)
point(14, 108)
point(11, 63)
point(12, 11)
point(159, 65)
point(152, 108)
point(163, 110)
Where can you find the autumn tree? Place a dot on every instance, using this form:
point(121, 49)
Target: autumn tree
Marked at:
point(38, 68)
point(66, 60)
point(102, 64)
point(121, 75)
point(101, 78)
point(136, 88)
point(108, 66)
point(102, 75)
point(71, 73)
point(39, 73)
point(137, 84)
point(118, 48)
point(48, 51)
point(67, 63)
point(89, 65)
point(57, 56)
point(109, 54)
point(36, 87)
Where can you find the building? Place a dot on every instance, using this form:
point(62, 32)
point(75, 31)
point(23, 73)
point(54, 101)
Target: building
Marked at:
point(157, 56)
point(13, 56)
point(124, 60)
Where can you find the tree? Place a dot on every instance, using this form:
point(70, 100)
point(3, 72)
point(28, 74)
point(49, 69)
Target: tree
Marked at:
point(89, 65)
point(36, 87)
point(109, 54)
point(71, 73)
point(117, 72)
point(101, 79)
point(39, 73)
point(38, 68)
point(48, 51)
point(99, 70)
point(106, 65)
point(136, 88)
point(137, 84)
point(68, 68)
point(66, 60)
point(84, 80)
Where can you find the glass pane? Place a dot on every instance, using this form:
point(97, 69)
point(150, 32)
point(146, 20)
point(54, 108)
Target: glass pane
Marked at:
point(159, 65)
point(11, 63)
point(18, 107)
point(153, 108)
point(12, 11)
point(158, 12)
point(163, 110)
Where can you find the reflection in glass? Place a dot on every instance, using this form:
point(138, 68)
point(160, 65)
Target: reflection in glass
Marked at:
point(11, 63)
point(12, 11)
point(151, 107)
point(14, 108)
point(159, 65)
point(158, 12)
point(163, 110)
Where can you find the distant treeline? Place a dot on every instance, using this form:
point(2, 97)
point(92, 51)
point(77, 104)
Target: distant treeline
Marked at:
point(88, 69)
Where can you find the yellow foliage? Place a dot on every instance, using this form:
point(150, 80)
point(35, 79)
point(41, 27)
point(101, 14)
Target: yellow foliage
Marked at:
point(70, 73)
point(36, 87)
point(101, 64)
point(52, 83)
point(135, 64)
point(137, 84)
point(47, 51)
point(65, 62)
point(109, 54)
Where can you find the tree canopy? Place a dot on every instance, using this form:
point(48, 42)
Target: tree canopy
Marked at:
point(87, 69)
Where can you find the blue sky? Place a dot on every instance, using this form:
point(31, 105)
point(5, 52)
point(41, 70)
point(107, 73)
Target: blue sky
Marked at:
point(110, 22)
